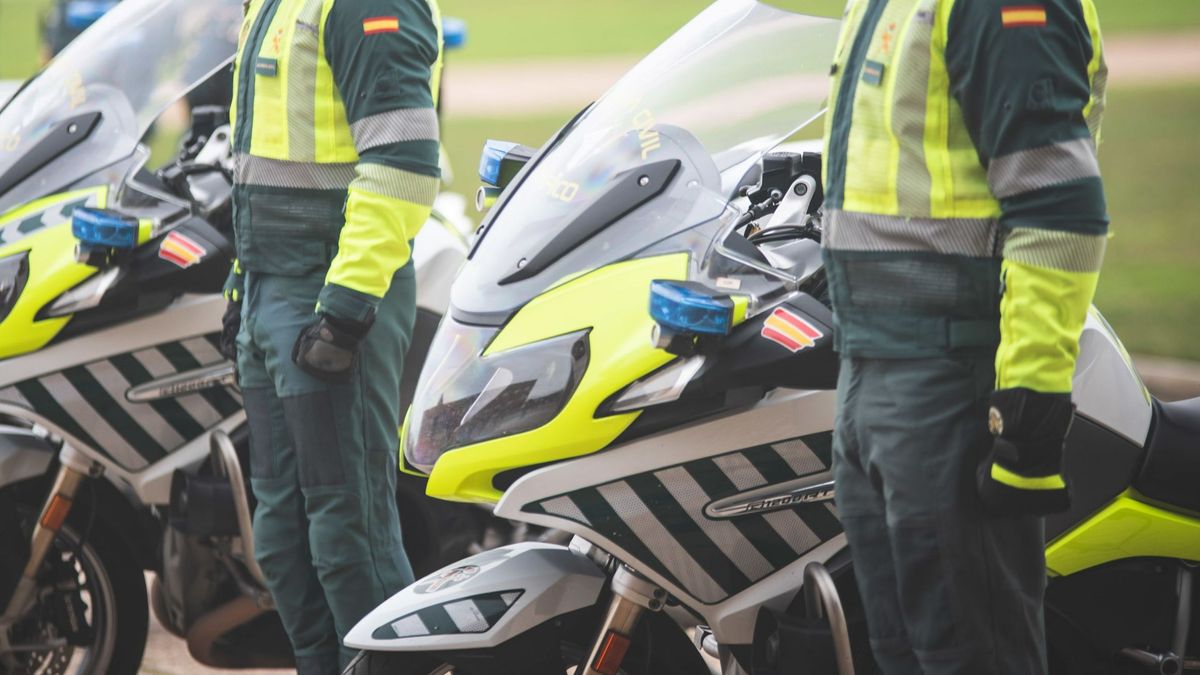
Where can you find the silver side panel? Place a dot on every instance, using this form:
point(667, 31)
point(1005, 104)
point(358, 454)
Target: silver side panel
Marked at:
point(524, 585)
point(23, 455)
point(1107, 388)
point(190, 316)
point(556, 496)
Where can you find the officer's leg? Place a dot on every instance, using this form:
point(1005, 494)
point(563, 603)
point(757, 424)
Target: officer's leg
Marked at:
point(861, 509)
point(383, 356)
point(280, 528)
point(348, 485)
point(961, 608)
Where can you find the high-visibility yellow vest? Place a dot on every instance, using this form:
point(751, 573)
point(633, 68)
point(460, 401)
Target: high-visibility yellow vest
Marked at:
point(960, 160)
point(335, 140)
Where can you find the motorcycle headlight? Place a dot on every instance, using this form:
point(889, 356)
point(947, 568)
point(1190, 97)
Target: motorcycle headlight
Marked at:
point(465, 398)
point(14, 272)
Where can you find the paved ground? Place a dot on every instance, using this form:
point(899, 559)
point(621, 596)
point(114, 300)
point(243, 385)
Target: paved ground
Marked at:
point(520, 88)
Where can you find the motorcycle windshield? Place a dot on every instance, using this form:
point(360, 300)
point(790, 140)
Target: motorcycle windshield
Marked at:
point(93, 104)
point(662, 151)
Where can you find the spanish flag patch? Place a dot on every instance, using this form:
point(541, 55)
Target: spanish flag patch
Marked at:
point(381, 24)
point(790, 330)
point(1019, 16)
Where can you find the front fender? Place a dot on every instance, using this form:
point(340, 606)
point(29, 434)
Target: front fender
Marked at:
point(482, 601)
point(23, 455)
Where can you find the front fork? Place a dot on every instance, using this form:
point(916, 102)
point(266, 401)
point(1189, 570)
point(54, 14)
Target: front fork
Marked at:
point(74, 467)
point(632, 595)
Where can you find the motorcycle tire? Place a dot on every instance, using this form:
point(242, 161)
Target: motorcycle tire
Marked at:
point(116, 603)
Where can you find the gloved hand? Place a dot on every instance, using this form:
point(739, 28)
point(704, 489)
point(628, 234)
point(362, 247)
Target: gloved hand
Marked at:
point(1022, 475)
point(231, 324)
point(328, 347)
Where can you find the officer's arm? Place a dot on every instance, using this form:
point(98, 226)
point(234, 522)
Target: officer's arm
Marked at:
point(1021, 72)
point(382, 53)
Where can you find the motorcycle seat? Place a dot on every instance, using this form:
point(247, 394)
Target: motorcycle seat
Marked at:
point(1171, 470)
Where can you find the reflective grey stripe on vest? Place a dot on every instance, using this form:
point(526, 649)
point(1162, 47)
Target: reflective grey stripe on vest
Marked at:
point(302, 83)
point(1043, 167)
point(251, 170)
point(395, 126)
point(910, 100)
point(855, 231)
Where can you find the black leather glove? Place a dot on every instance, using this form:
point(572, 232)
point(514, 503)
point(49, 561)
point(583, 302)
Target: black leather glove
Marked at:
point(231, 324)
point(328, 348)
point(1023, 474)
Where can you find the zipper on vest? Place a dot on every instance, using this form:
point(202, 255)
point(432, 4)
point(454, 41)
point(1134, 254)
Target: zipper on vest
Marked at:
point(246, 73)
point(839, 138)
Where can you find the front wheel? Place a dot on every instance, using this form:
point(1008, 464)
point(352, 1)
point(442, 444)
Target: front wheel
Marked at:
point(91, 615)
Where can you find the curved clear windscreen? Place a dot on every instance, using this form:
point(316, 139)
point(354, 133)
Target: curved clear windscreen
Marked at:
point(129, 66)
point(734, 82)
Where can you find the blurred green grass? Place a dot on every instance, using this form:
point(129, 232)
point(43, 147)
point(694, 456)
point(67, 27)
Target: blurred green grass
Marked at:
point(1150, 286)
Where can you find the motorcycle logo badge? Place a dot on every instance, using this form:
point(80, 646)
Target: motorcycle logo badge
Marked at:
point(788, 329)
point(446, 579)
point(181, 250)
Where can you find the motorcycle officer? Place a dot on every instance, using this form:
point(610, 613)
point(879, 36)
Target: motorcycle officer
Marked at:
point(336, 145)
point(965, 227)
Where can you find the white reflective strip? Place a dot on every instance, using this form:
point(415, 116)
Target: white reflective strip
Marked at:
point(395, 126)
point(740, 471)
point(195, 405)
point(646, 526)
point(794, 531)
point(1043, 167)
point(565, 508)
point(724, 533)
point(799, 457)
point(855, 231)
point(466, 616)
point(143, 415)
point(251, 170)
point(97, 427)
point(410, 626)
point(203, 351)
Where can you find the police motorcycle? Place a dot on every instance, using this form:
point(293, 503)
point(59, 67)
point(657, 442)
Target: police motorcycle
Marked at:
point(638, 352)
point(122, 436)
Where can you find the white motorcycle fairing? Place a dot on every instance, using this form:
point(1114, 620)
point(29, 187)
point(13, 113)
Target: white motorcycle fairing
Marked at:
point(482, 601)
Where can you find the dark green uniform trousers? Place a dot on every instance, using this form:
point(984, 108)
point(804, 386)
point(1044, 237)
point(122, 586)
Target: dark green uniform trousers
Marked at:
point(323, 465)
point(947, 588)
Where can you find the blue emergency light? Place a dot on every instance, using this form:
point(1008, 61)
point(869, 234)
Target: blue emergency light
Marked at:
point(489, 160)
point(688, 307)
point(82, 13)
point(454, 32)
point(98, 228)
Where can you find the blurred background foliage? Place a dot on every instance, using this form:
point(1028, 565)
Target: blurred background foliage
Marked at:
point(1150, 286)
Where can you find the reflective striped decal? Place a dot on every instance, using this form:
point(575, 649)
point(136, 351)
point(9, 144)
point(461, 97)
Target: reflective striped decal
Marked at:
point(658, 517)
point(853, 231)
point(88, 401)
point(1066, 251)
point(1043, 167)
point(396, 183)
point(395, 126)
point(252, 170)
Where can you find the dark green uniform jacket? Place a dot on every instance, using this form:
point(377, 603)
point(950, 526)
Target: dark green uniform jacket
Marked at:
point(964, 206)
point(336, 141)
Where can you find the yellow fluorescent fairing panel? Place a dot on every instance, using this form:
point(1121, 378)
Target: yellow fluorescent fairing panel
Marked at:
point(52, 266)
point(613, 302)
point(1126, 528)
